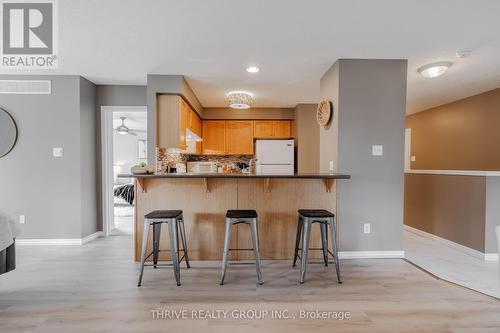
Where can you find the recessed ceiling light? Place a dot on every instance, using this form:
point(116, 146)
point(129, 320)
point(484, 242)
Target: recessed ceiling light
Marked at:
point(253, 69)
point(239, 99)
point(434, 70)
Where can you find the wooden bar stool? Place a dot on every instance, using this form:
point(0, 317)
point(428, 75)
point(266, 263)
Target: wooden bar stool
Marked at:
point(234, 217)
point(326, 220)
point(175, 222)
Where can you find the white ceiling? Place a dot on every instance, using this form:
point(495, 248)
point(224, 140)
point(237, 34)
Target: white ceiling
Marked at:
point(293, 42)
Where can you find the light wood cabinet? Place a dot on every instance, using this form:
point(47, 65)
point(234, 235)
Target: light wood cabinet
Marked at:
point(171, 110)
point(171, 122)
point(272, 129)
point(232, 137)
point(263, 128)
point(281, 129)
point(239, 137)
point(183, 123)
point(214, 137)
point(227, 137)
point(195, 123)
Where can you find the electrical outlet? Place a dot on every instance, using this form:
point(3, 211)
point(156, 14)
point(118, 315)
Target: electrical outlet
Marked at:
point(366, 228)
point(413, 158)
point(22, 219)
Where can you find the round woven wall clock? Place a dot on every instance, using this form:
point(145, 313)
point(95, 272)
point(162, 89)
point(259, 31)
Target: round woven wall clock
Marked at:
point(324, 112)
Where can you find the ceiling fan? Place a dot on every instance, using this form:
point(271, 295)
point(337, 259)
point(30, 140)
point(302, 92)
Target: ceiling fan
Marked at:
point(124, 130)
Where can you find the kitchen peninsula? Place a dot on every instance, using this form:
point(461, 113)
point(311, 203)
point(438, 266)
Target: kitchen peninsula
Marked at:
point(204, 198)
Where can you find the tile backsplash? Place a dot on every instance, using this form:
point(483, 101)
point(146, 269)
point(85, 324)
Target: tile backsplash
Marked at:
point(168, 158)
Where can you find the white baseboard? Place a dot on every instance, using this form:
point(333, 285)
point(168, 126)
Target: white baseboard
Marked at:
point(491, 257)
point(60, 241)
point(459, 247)
point(371, 254)
point(92, 237)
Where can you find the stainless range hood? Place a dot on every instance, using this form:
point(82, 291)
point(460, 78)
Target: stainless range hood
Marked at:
point(192, 136)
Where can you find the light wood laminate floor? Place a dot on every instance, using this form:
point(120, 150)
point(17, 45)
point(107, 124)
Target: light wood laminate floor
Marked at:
point(92, 288)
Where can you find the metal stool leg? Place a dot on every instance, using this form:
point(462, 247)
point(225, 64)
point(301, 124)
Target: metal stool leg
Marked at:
point(156, 242)
point(305, 248)
point(227, 244)
point(333, 230)
point(145, 236)
point(324, 241)
point(184, 241)
point(255, 241)
point(297, 240)
point(174, 249)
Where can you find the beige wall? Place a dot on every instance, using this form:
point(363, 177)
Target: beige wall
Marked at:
point(252, 113)
point(463, 135)
point(451, 207)
point(307, 138)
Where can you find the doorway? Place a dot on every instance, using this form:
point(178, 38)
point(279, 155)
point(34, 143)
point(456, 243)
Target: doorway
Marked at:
point(124, 144)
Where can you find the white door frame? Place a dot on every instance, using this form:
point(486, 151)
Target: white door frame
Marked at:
point(407, 149)
point(108, 215)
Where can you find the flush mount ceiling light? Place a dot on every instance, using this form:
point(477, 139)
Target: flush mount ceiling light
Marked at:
point(434, 70)
point(239, 99)
point(253, 69)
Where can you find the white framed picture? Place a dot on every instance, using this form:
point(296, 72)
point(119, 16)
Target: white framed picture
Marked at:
point(142, 149)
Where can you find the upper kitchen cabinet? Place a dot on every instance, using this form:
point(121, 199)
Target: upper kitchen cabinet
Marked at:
point(263, 128)
point(282, 129)
point(193, 120)
point(239, 137)
point(274, 129)
point(169, 113)
point(183, 123)
point(227, 137)
point(173, 109)
point(214, 137)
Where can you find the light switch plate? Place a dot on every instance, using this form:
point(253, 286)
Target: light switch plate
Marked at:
point(57, 152)
point(330, 166)
point(413, 158)
point(22, 219)
point(366, 228)
point(377, 150)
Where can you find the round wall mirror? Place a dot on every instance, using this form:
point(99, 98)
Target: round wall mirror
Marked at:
point(8, 132)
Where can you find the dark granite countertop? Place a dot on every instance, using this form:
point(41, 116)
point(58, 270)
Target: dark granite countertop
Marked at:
point(241, 175)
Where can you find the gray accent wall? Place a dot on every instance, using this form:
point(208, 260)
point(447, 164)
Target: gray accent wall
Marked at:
point(121, 95)
point(371, 103)
point(90, 163)
point(492, 213)
point(55, 194)
point(329, 90)
point(307, 138)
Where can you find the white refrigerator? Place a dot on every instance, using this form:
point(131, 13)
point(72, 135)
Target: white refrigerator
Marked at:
point(274, 156)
